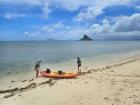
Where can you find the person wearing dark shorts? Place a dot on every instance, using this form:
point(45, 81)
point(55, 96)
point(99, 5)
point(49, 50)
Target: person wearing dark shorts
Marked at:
point(79, 64)
point(37, 68)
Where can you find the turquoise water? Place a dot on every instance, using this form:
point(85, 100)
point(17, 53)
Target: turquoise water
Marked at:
point(21, 56)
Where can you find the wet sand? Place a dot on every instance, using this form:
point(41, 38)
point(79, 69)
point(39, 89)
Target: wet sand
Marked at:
point(114, 84)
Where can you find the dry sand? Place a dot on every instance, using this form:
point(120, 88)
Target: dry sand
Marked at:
point(118, 84)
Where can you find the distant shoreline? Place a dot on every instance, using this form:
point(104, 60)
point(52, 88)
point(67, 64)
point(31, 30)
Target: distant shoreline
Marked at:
point(58, 40)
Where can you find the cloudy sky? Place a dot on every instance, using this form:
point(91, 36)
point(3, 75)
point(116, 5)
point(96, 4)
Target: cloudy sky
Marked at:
point(68, 19)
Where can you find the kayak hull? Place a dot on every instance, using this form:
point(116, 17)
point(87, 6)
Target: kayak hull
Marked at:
point(56, 75)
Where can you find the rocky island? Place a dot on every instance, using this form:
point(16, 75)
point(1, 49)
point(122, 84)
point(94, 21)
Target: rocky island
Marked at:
point(86, 38)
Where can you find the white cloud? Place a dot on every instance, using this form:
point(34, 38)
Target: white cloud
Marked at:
point(26, 33)
point(48, 31)
point(124, 26)
point(137, 7)
point(53, 27)
point(45, 9)
point(32, 2)
point(106, 27)
point(70, 5)
point(13, 15)
point(42, 4)
point(96, 8)
point(89, 9)
point(56, 31)
point(128, 23)
point(59, 25)
point(88, 14)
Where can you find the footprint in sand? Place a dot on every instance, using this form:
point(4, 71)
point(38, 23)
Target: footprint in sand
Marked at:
point(121, 89)
point(117, 100)
point(112, 71)
point(13, 81)
point(108, 67)
point(136, 102)
point(10, 86)
point(106, 98)
point(81, 103)
point(86, 67)
point(63, 102)
point(24, 81)
point(137, 89)
point(86, 82)
point(30, 80)
point(116, 94)
point(9, 95)
point(113, 83)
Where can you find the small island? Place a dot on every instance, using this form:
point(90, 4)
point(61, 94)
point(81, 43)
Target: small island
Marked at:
point(86, 38)
point(50, 39)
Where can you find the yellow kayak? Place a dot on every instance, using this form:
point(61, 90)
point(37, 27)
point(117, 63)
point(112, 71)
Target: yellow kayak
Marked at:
point(56, 75)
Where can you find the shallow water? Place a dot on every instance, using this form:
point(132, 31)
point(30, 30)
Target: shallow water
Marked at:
point(21, 56)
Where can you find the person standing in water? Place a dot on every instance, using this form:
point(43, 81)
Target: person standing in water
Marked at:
point(37, 68)
point(79, 65)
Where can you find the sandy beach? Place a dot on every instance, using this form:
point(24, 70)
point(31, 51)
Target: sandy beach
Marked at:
point(115, 84)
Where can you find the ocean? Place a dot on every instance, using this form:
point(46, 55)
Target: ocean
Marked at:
point(20, 56)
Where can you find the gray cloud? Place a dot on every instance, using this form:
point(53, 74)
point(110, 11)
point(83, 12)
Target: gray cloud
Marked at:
point(128, 23)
